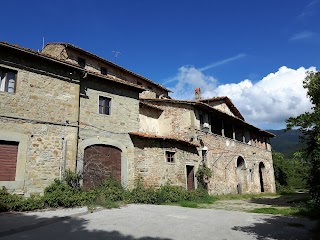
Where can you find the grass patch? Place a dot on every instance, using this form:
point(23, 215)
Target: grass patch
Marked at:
point(188, 204)
point(277, 211)
point(245, 196)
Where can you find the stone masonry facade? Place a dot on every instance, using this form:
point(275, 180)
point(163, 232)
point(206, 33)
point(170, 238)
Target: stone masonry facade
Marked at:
point(64, 101)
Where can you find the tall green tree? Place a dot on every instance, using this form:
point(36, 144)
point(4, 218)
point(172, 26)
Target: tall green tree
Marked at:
point(309, 124)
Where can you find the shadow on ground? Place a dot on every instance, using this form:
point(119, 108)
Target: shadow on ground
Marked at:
point(278, 227)
point(290, 200)
point(57, 228)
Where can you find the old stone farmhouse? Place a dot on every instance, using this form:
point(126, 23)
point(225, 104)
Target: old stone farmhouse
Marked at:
point(65, 108)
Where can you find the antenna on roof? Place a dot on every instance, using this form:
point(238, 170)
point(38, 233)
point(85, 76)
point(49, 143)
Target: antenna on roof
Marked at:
point(116, 53)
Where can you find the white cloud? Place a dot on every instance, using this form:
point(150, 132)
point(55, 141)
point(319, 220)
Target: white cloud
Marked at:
point(309, 10)
point(266, 103)
point(303, 35)
point(188, 79)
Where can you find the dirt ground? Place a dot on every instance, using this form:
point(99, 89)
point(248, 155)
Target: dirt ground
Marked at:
point(290, 200)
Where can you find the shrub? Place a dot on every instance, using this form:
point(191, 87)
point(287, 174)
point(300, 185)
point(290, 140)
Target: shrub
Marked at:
point(169, 194)
point(13, 202)
point(60, 194)
point(111, 189)
point(203, 175)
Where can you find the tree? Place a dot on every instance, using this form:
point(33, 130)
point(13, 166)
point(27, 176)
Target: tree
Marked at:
point(309, 124)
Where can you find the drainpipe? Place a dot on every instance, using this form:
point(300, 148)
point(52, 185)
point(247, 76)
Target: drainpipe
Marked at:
point(61, 159)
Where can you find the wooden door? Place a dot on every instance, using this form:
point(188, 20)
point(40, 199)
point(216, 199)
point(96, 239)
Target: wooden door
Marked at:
point(100, 162)
point(190, 177)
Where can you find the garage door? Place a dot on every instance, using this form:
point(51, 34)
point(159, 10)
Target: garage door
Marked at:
point(100, 162)
point(8, 160)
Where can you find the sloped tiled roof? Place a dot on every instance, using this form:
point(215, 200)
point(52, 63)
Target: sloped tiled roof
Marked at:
point(229, 103)
point(51, 58)
point(108, 62)
point(209, 108)
point(153, 136)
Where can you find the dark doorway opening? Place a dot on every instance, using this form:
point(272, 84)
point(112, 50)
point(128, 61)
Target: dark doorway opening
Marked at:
point(261, 173)
point(241, 174)
point(190, 177)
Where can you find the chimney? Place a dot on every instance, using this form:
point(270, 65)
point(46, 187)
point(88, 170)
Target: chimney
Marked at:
point(197, 93)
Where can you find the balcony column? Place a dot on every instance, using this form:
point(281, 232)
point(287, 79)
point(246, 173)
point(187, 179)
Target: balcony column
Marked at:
point(222, 128)
point(233, 133)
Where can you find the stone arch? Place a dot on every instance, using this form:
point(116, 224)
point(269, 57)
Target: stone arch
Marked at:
point(241, 174)
point(107, 142)
point(262, 178)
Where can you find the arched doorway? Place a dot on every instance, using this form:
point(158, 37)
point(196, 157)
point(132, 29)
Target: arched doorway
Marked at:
point(99, 162)
point(241, 174)
point(261, 174)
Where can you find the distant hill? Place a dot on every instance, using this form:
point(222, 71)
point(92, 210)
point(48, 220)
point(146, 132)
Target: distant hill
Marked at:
point(286, 143)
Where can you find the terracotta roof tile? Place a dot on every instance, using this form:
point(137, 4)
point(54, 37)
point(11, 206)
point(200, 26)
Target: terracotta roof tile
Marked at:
point(40, 54)
point(169, 138)
point(108, 62)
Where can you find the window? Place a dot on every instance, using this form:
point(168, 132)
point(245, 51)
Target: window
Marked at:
point(170, 156)
point(139, 83)
point(104, 71)
point(81, 62)
point(150, 88)
point(104, 105)
point(7, 80)
point(201, 119)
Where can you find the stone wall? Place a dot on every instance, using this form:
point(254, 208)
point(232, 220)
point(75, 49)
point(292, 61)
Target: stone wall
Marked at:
point(42, 116)
point(113, 129)
point(150, 162)
point(71, 55)
point(222, 156)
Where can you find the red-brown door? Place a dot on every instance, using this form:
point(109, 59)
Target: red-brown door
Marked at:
point(8, 160)
point(100, 162)
point(190, 177)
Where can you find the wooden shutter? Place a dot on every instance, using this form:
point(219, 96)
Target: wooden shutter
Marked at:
point(8, 160)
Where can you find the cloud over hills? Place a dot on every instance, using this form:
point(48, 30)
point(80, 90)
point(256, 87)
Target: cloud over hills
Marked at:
point(266, 103)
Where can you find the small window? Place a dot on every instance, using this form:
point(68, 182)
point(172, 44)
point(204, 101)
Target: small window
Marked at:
point(104, 105)
point(150, 88)
point(81, 62)
point(7, 80)
point(104, 71)
point(139, 83)
point(170, 156)
point(201, 120)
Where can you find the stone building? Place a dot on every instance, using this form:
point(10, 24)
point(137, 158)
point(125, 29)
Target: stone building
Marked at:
point(65, 108)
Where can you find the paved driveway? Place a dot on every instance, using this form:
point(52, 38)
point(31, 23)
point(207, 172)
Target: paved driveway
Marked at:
point(151, 222)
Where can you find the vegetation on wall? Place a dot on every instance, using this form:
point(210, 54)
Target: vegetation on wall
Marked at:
point(203, 175)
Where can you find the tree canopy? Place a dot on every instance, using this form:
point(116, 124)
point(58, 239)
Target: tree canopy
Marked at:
point(309, 124)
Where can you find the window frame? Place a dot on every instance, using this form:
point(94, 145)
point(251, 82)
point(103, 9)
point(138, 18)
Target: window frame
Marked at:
point(82, 62)
point(103, 106)
point(4, 75)
point(170, 156)
point(103, 70)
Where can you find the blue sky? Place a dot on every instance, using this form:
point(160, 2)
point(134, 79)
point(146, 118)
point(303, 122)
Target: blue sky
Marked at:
point(225, 47)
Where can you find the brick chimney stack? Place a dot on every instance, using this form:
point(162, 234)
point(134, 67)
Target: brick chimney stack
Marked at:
point(197, 93)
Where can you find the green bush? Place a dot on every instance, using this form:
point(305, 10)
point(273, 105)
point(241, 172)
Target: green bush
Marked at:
point(13, 202)
point(169, 194)
point(60, 194)
point(111, 189)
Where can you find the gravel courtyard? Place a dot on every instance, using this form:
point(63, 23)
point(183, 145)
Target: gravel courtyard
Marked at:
point(148, 222)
